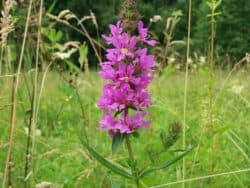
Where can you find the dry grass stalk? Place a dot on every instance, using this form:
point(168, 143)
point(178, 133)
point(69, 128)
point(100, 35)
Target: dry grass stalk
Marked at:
point(33, 115)
point(66, 15)
point(6, 26)
point(6, 21)
point(16, 78)
point(247, 170)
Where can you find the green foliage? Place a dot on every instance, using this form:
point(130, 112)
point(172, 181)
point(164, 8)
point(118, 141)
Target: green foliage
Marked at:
point(233, 28)
point(53, 35)
point(232, 25)
point(232, 33)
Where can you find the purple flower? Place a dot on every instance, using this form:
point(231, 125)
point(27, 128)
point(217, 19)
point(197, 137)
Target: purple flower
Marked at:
point(116, 30)
point(143, 32)
point(128, 70)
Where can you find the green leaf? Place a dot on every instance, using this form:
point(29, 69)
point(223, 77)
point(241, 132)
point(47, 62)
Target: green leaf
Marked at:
point(117, 142)
point(83, 53)
point(107, 163)
point(209, 5)
point(72, 66)
point(217, 4)
point(51, 7)
point(165, 164)
point(162, 137)
point(58, 36)
point(53, 35)
point(151, 153)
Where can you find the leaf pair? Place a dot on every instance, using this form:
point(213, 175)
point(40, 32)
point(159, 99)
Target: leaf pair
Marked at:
point(165, 164)
point(123, 172)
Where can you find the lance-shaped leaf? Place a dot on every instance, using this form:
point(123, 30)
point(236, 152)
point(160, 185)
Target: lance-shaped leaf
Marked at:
point(117, 141)
point(151, 154)
point(165, 164)
point(107, 163)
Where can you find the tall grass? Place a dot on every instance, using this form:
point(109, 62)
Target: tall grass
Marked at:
point(15, 84)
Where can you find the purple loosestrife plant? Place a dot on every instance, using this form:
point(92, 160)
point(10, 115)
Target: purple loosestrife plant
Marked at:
point(128, 69)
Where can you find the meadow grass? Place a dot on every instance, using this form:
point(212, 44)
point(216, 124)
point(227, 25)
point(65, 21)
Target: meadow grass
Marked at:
point(61, 159)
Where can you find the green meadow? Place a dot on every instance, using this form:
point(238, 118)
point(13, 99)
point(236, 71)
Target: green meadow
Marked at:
point(61, 159)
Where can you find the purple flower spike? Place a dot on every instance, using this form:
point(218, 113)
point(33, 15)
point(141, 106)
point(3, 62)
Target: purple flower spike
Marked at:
point(128, 69)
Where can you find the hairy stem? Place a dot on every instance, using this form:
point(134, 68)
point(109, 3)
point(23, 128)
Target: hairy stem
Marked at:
point(132, 159)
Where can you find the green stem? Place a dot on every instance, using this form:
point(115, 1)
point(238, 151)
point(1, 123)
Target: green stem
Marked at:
point(211, 67)
point(131, 157)
point(211, 85)
point(185, 92)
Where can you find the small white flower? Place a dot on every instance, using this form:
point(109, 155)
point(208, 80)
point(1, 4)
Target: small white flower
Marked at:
point(65, 55)
point(237, 89)
point(171, 60)
point(189, 61)
point(202, 59)
point(155, 18)
point(37, 132)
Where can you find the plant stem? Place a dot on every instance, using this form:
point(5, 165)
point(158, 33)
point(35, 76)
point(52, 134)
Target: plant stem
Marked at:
point(1, 59)
point(83, 114)
point(185, 92)
point(210, 87)
point(42, 87)
point(33, 115)
point(131, 157)
point(211, 63)
point(169, 38)
point(86, 33)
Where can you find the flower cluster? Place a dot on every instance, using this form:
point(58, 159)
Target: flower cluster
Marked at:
point(128, 67)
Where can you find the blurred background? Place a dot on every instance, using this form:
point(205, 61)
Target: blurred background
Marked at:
point(232, 25)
